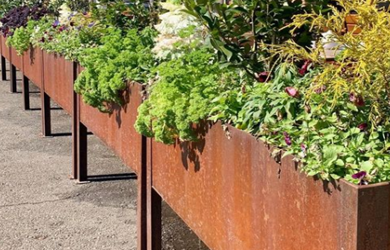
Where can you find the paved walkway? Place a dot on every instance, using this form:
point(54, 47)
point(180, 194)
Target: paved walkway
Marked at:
point(40, 208)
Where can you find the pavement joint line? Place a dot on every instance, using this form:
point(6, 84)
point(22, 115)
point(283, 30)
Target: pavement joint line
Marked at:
point(39, 202)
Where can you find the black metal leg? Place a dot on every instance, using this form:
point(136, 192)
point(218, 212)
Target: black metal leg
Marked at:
point(82, 156)
point(75, 152)
point(13, 79)
point(154, 230)
point(26, 93)
point(46, 116)
point(142, 199)
point(154, 202)
point(3, 69)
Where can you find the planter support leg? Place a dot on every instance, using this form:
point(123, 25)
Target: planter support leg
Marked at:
point(46, 116)
point(75, 119)
point(26, 93)
point(82, 146)
point(13, 79)
point(3, 69)
point(153, 208)
point(142, 199)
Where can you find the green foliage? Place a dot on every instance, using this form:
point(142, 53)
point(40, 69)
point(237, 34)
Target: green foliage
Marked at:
point(20, 40)
point(110, 65)
point(332, 142)
point(182, 96)
point(362, 68)
point(133, 15)
point(241, 30)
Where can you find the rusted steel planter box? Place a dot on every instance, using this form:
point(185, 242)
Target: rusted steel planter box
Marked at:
point(117, 129)
point(33, 66)
point(5, 50)
point(58, 80)
point(234, 195)
point(16, 60)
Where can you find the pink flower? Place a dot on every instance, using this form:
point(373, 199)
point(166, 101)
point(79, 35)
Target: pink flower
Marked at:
point(287, 138)
point(293, 92)
point(302, 71)
point(362, 127)
point(359, 175)
point(357, 100)
point(303, 147)
point(263, 76)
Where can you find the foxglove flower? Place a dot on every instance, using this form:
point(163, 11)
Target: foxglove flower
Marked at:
point(293, 92)
point(303, 147)
point(287, 138)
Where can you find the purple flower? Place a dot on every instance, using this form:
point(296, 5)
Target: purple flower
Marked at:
point(262, 76)
point(91, 25)
point(62, 28)
point(56, 24)
point(360, 175)
point(287, 138)
point(362, 127)
point(293, 92)
point(303, 147)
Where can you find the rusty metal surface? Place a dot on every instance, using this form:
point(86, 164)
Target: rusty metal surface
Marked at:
point(16, 60)
point(234, 196)
point(33, 66)
point(117, 129)
point(58, 80)
point(5, 51)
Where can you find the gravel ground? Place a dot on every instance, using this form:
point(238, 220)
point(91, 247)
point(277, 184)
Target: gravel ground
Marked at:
point(41, 208)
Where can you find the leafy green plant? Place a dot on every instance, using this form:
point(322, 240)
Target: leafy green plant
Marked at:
point(110, 65)
point(332, 142)
point(118, 13)
point(241, 30)
point(361, 70)
point(182, 96)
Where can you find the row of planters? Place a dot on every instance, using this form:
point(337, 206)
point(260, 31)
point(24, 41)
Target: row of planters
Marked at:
point(240, 115)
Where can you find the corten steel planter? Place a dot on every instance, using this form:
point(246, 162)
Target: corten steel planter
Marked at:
point(116, 129)
point(33, 66)
point(6, 53)
point(3, 62)
point(5, 50)
point(16, 60)
point(235, 196)
point(58, 78)
point(351, 21)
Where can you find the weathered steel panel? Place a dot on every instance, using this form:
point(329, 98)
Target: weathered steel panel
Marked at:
point(58, 80)
point(117, 128)
point(16, 60)
point(33, 66)
point(234, 195)
point(5, 50)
